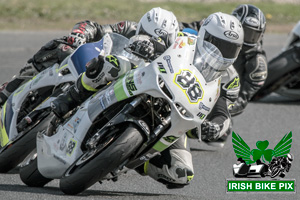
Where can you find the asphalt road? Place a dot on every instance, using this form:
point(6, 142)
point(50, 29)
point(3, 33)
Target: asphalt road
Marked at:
point(260, 121)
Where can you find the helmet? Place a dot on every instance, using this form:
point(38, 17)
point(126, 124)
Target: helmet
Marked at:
point(290, 157)
point(225, 32)
point(221, 37)
point(253, 21)
point(159, 23)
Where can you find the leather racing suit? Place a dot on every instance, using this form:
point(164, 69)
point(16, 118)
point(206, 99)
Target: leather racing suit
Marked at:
point(252, 67)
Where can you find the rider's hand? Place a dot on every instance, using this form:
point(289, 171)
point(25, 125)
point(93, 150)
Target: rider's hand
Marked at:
point(210, 131)
point(238, 107)
point(29, 69)
point(193, 133)
point(76, 39)
point(143, 47)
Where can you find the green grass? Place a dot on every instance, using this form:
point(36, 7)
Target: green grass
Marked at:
point(63, 14)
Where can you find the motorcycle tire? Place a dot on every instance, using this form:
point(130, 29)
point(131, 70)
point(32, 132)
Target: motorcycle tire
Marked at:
point(31, 176)
point(105, 162)
point(13, 155)
point(16, 152)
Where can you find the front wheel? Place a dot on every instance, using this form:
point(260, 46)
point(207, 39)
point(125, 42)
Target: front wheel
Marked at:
point(14, 153)
point(88, 173)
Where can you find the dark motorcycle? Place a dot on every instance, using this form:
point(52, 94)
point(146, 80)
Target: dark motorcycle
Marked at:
point(283, 81)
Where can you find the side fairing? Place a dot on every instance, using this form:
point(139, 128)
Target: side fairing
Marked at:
point(10, 112)
point(58, 152)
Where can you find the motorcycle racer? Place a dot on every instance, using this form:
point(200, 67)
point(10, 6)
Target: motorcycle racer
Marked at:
point(250, 66)
point(56, 50)
point(251, 63)
point(165, 167)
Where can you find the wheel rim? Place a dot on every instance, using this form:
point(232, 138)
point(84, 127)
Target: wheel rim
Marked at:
point(82, 160)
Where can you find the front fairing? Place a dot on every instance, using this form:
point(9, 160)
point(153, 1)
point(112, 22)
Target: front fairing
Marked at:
point(187, 86)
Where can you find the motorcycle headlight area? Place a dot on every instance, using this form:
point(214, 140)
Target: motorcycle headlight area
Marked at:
point(182, 110)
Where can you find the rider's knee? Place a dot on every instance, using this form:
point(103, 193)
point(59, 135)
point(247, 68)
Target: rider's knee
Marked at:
point(175, 171)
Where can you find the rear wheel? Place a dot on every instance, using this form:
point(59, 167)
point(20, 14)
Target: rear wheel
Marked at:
point(90, 169)
point(30, 174)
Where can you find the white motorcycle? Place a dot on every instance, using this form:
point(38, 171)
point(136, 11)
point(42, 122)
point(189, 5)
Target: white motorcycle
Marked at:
point(27, 110)
point(129, 121)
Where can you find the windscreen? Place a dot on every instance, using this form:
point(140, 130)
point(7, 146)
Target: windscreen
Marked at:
point(209, 61)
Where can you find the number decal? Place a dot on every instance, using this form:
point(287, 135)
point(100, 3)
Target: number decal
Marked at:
point(190, 85)
point(71, 147)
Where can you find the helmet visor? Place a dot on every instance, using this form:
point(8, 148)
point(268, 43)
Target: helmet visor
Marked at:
point(142, 31)
point(251, 36)
point(209, 61)
point(228, 49)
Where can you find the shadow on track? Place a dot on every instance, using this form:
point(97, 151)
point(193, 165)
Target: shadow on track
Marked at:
point(55, 191)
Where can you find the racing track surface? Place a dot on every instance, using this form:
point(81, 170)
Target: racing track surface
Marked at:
point(260, 121)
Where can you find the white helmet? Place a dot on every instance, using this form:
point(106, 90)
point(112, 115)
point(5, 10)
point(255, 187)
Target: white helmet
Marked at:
point(219, 42)
point(159, 23)
point(225, 32)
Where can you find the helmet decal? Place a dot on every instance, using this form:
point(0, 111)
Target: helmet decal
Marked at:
point(160, 32)
point(207, 20)
point(231, 34)
point(252, 21)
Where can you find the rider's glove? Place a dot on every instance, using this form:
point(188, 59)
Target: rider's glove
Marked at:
point(76, 39)
point(28, 70)
point(210, 131)
point(193, 133)
point(143, 47)
point(238, 106)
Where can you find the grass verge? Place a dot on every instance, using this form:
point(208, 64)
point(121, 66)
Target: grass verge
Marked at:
point(62, 15)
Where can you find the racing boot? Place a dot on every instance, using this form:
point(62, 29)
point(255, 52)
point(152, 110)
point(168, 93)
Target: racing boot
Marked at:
point(173, 167)
point(26, 73)
point(7, 88)
point(99, 72)
point(69, 100)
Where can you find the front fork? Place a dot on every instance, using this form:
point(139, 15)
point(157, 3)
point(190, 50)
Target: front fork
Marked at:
point(124, 115)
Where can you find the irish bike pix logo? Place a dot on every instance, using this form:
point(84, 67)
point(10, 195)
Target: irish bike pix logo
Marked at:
point(262, 168)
